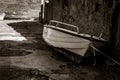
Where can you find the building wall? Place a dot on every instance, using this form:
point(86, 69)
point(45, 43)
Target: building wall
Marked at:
point(28, 7)
point(92, 16)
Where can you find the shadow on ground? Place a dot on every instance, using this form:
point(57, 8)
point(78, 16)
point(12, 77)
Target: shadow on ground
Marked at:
point(16, 73)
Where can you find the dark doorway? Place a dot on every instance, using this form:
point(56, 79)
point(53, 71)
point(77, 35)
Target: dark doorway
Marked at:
point(115, 31)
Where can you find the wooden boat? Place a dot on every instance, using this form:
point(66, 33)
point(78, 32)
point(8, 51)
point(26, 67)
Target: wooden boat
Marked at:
point(68, 37)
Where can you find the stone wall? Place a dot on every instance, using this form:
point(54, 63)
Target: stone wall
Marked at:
point(92, 16)
point(20, 7)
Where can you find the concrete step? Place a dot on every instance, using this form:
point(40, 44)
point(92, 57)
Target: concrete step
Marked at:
point(8, 33)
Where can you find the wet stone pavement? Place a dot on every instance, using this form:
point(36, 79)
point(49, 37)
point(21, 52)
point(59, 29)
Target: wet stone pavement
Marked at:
point(33, 59)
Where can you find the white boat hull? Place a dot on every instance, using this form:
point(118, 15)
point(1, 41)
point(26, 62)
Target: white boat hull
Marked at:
point(71, 43)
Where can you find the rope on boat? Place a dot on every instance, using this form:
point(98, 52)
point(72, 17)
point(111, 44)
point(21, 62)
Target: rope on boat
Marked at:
point(95, 49)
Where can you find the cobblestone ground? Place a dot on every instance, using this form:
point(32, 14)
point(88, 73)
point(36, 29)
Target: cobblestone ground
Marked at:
point(32, 59)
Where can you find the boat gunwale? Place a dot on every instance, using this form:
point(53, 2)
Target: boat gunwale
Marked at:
point(73, 33)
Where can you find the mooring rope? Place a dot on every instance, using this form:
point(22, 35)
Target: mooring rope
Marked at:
point(94, 54)
point(95, 49)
